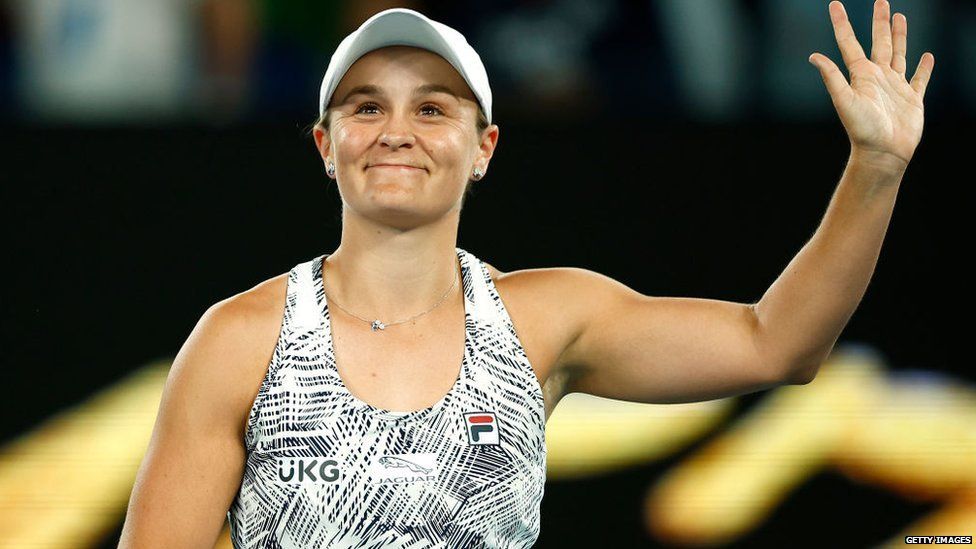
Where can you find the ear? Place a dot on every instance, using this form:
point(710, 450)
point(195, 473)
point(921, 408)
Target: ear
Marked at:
point(489, 140)
point(322, 142)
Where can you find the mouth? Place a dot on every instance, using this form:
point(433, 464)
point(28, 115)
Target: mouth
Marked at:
point(396, 167)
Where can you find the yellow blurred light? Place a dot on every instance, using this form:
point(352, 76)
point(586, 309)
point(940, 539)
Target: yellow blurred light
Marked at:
point(588, 435)
point(67, 483)
point(919, 441)
point(731, 485)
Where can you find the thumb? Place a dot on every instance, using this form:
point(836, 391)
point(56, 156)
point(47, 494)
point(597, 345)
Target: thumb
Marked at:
point(834, 80)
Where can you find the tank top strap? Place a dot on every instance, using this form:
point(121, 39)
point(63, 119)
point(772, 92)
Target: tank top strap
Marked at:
point(302, 302)
point(486, 304)
point(497, 331)
point(483, 305)
point(299, 317)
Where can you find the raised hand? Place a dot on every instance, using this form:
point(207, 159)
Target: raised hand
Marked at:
point(881, 111)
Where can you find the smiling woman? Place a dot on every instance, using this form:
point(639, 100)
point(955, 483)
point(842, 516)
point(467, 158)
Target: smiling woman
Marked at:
point(423, 115)
point(380, 395)
point(375, 87)
point(330, 434)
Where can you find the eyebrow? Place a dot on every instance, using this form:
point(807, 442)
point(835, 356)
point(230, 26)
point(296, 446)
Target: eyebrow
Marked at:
point(370, 89)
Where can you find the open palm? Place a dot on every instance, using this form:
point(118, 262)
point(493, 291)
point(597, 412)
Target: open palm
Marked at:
point(881, 111)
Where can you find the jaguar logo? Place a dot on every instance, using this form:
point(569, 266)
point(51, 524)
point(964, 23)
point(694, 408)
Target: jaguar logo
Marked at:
point(389, 462)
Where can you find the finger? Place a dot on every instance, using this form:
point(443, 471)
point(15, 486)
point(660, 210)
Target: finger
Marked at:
point(881, 33)
point(899, 37)
point(836, 84)
point(850, 49)
point(922, 74)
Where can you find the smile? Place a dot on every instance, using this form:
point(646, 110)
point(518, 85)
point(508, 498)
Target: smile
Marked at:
point(397, 167)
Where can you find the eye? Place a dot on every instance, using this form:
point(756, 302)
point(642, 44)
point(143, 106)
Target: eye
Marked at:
point(433, 107)
point(366, 106)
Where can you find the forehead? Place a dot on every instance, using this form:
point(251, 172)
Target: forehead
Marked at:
point(389, 66)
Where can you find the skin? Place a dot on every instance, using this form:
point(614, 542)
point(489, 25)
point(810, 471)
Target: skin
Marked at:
point(881, 111)
point(582, 331)
point(399, 225)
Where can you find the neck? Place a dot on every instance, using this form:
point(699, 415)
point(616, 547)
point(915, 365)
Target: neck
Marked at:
point(392, 274)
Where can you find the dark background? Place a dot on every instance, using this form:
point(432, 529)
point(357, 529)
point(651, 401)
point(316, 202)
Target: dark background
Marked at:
point(121, 232)
point(125, 239)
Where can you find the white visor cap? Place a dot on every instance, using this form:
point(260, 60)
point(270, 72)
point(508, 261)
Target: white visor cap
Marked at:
point(406, 27)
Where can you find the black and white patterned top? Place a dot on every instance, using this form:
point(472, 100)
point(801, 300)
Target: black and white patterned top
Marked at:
point(326, 469)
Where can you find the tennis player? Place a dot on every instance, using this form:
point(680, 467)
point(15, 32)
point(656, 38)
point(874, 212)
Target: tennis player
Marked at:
point(394, 392)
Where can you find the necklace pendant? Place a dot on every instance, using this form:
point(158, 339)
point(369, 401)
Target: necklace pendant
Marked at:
point(377, 325)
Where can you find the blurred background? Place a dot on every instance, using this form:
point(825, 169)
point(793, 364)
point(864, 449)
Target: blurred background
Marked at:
point(156, 161)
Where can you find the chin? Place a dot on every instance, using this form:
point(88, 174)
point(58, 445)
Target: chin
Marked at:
point(400, 210)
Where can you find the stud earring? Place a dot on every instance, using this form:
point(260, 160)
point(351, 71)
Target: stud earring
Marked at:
point(478, 174)
point(330, 168)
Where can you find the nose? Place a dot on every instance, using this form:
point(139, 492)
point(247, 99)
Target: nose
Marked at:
point(396, 133)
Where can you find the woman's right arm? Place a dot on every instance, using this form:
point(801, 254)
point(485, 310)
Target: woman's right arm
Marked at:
point(195, 459)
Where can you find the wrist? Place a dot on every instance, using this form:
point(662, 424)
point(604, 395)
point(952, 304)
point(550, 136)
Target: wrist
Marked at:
point(883, 162)
point(874, 175)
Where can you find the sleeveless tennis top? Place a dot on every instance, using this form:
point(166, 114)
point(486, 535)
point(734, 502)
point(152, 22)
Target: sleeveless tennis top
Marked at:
point(326, 469)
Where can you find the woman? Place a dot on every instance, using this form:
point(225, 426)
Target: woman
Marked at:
point(327, 407)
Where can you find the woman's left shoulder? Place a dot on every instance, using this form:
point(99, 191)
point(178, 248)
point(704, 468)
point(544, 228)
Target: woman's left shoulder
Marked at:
point(538, 287)
point(546, 306)
point(495, 273)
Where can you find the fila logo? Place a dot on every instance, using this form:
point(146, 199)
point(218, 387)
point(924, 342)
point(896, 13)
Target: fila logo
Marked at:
point(482, 428)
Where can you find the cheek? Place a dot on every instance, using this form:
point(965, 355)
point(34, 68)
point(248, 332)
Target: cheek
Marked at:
point(349, 144)
point(450, 153)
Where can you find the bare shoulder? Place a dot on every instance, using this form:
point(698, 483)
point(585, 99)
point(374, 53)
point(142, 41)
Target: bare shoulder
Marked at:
point(564, 292)
point(194, 462)
point(256, 308)
point(238, 335)
point(549, 308)
point(495, 273)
